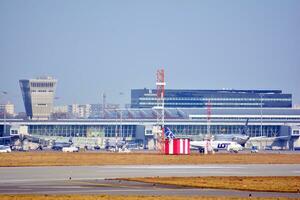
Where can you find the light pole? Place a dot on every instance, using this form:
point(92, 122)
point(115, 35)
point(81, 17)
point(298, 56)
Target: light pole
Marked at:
point(118, 132)
point(121, 118)
point(261, 104)
point(4, 125)
point(118, 122)
point(4, 114)
point(121, 127)
point(102, 109)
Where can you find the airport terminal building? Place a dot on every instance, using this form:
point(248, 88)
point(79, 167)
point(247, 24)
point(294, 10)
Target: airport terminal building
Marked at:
point(226, 98)
point(272, 120)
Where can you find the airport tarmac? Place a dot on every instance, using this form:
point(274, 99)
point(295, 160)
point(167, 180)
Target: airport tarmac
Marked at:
point(93, 179)
point(115, 187)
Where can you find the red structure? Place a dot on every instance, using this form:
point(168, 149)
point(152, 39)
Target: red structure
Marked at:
point(160, 83)
point(177, 146)
point(160, 88)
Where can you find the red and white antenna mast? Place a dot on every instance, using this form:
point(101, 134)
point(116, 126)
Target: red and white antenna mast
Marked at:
point(160, 88)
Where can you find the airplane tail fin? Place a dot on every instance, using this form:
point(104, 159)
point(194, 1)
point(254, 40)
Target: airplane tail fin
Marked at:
point(168, 133)
point(70, 140)
point(245, 129)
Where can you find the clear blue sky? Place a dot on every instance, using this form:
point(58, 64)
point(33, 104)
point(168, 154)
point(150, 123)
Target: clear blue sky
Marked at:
point(113, 46)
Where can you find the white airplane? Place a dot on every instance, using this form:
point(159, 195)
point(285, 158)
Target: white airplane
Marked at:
point(216, 146)
point(240, 138)
point(209, 145)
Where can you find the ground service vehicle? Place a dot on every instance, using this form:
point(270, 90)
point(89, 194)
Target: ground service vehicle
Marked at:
point(254, 149)
point(5, 149)
point(70, 149)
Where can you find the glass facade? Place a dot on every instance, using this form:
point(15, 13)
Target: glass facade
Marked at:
point(146, 98)
point(83, 130)
point(42, 84)
point(195, 130)
point(129, 131)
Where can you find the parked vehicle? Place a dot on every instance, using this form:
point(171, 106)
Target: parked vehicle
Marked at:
point(97, 147)
point(58, 146)
point(5, 149)
point(70, 149)
point(254, 149)
point(132, 146)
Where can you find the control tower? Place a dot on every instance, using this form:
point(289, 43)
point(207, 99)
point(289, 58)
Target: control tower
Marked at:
point(38, 95)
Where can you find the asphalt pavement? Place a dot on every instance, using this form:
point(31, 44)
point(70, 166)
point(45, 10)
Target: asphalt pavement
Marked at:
point(96, 179)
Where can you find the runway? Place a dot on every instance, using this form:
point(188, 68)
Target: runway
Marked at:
point(94, 179)
point(17, 174)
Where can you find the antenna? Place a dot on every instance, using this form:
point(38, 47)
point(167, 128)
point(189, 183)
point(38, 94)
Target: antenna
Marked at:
point(160, 92)
point(103, 104)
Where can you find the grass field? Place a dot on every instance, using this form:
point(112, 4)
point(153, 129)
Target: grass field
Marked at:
point(112, 197)
point(83, 158)
point(268, 184)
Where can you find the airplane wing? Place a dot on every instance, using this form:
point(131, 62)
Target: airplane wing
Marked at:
point(9, 137)
point(270, 138)
point(197, 144)
point(6, 137)
point(286, 137)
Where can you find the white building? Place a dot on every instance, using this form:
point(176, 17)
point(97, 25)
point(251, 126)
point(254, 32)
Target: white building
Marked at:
point(9, 108)
point(84, 110)
point(80, 111)
point(60, 109)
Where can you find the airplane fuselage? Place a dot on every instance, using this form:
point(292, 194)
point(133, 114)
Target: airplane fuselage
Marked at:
point(216, 145)
point(238, 138)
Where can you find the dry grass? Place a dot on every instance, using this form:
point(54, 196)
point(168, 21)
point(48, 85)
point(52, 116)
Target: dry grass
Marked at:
point(268, 184)
point(112, 197)
point(82, 158)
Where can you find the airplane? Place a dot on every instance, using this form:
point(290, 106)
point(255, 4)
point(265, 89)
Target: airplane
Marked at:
point(231, 146)
point(216, 145)
point(230, 142)
point(240, 138)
